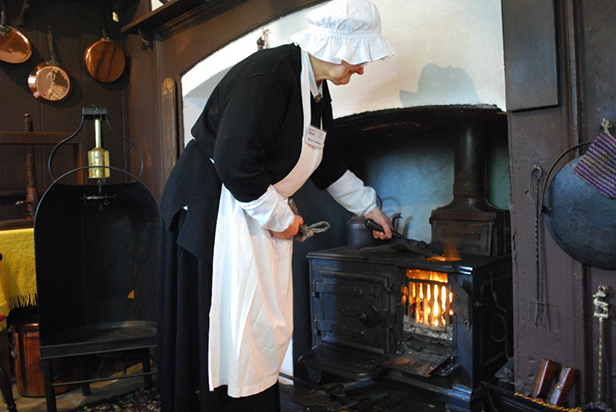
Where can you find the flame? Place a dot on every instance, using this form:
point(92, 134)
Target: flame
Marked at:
point(427, 298)
point(435, 312)
point(451, 254)
point(426, 275)
point(451, 251)
point(444, 258)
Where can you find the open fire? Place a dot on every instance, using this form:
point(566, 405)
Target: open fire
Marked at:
point(428, 300)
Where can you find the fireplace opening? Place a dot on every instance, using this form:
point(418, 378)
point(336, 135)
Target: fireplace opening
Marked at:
point(427, 300)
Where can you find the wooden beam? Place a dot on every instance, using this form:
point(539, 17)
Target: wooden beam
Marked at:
point(51, 138)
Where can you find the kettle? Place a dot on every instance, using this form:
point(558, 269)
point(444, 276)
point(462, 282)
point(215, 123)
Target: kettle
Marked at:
point(360, 235)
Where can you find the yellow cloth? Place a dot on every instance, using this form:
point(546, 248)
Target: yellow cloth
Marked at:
point(17, 270)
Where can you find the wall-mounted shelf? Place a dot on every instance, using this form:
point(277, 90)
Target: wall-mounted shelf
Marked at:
point(16, 224)
point(34, 137)
point(114, 4)
point(161, 16)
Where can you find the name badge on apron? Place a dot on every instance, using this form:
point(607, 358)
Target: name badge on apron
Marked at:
point(315, 137)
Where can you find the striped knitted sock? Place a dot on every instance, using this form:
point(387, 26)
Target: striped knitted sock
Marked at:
point(598, 166)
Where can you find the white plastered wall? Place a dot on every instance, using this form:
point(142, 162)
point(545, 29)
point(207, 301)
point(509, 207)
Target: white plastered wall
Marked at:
point(447, 52)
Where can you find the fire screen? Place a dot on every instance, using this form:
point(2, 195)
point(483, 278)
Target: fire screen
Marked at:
point(96, 267)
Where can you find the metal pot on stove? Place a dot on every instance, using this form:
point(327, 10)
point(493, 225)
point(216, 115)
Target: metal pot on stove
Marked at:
point(359, 235)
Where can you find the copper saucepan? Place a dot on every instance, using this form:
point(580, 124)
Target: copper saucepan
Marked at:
point(48, 81)
point(105, 60)
point(14, 46)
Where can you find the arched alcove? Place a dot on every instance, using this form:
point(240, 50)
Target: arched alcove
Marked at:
point(447, 53)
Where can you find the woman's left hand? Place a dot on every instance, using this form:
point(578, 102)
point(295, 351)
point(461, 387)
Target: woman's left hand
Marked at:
point(382, 220)
point(291, 231)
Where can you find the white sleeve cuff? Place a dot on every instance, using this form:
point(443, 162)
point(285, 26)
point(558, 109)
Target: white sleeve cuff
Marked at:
point(352, 194)
point(270, 210)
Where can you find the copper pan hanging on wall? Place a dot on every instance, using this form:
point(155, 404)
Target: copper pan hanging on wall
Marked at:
point(48, 81)
point(14, 46)
point(105, 59)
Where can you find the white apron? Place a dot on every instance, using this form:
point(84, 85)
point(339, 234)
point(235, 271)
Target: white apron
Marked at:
point(251, 318)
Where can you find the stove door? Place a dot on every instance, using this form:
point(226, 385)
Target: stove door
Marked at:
point(354, 317)
point(354, 309)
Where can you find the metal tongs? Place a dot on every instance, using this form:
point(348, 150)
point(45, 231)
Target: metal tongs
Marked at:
point(307, 231)
point(432, 249)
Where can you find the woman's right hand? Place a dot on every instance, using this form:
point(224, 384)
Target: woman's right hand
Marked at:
point(292, 230)
point(382, 220)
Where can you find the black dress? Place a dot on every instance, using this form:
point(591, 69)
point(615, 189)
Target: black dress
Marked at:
point(255, 108)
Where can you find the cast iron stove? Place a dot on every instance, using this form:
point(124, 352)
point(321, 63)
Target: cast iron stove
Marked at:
point(443, 326)
point(369, 322)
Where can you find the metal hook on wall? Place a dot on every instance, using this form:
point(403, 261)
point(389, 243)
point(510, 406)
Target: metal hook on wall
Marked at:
point(262, 41)
point(606, 125)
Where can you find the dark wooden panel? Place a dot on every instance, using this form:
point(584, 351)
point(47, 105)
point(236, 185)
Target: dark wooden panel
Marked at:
point(531, 69)
point(75, 25)
point(16, 98)
point(14, 170)
point(20, 138)
point(12, 163)
point(537, 138)
point(144, 127)
point(169, 131)
point(115, 4)
point(599, 91)
point(599, 87)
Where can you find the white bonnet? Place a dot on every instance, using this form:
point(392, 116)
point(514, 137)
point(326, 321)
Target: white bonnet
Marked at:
point(348, 30)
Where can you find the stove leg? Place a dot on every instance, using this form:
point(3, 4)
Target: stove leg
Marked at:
point(50, 393)
point(83, 367)
point(147, 379)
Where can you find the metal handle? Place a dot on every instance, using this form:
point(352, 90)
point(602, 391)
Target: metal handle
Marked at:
point(375, 226)
point(4, 29)
point(54, 60)
point(417, 246)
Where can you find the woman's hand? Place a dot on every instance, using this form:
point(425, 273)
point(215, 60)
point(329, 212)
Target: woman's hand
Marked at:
point(291, 231)
point(379, 217)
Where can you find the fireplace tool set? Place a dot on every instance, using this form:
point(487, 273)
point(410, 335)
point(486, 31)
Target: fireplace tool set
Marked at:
point(602, 312)
point(554, 382)
point(578, 204)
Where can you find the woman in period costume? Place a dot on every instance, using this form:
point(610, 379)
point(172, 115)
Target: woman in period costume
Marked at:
point(225, 290)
